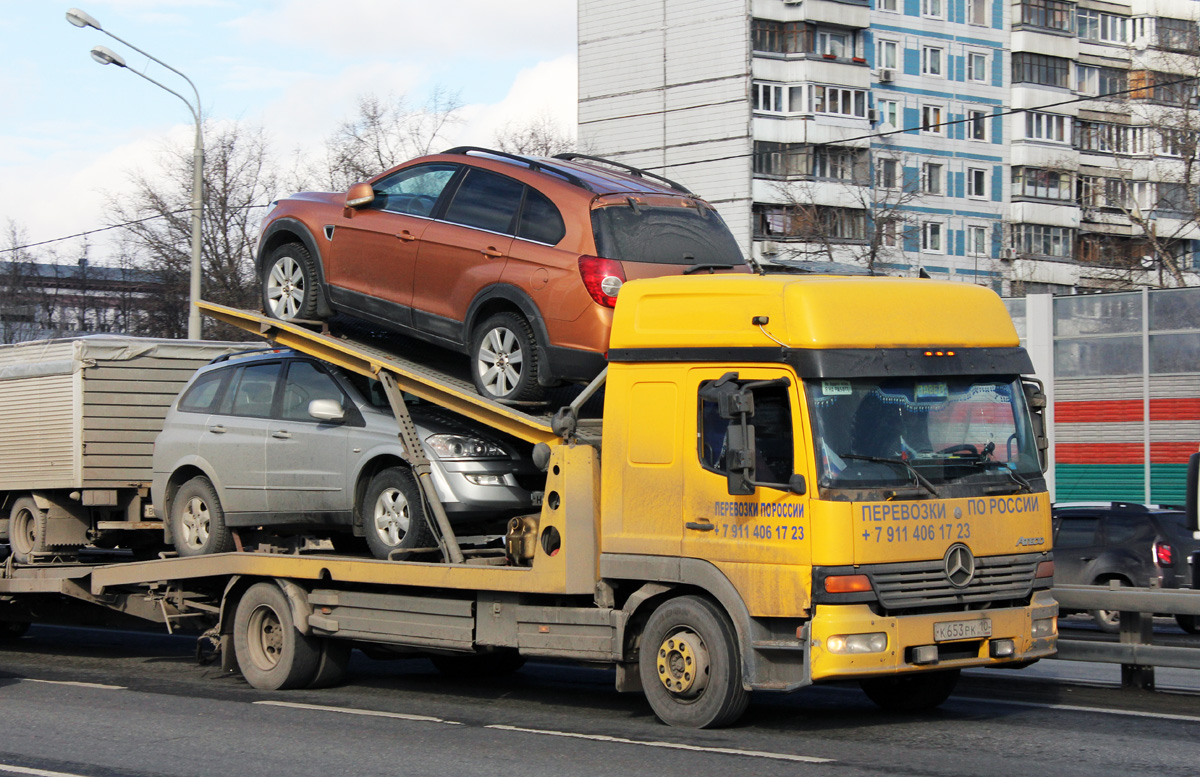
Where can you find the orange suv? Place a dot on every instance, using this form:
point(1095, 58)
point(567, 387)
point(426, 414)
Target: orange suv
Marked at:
point(514, 260)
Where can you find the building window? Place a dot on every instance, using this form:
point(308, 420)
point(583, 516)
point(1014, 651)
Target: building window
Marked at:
point(931, 61)
point(1041, 240)
point(1029, 68)
point(891, 230)
point(887, 5)
point(781, 37)
point(977, 67)
point(977, 182)
point(886, 53)
point(977, 12)
point(931, 8)
point(1178, 143)
point(835, 44)
point(809, 222)
point(1050, 127)
point(1176, 199)
point(977, 241)
point(977, 125)
point(1040, 183)
point(1109, 138)
point(1112, 81)
point(1047, 14)
point(889, 112)
point(887, 173)
point(931, 120)
point(931, 178)
point(768, 98)
point(838, 100)
point(1178, 34)
point(1103, 27)
point(1098, 192)
point(931, 237)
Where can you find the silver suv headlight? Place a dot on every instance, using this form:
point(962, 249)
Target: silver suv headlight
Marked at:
point(459, 446)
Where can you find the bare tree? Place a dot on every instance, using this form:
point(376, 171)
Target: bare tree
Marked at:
point(239, 179)
point(830, 208)
point(381, 134)
point(19, 287)
point(540, 136)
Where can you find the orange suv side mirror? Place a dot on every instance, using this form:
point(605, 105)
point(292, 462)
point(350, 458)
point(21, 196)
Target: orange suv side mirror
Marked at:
point(360, 194)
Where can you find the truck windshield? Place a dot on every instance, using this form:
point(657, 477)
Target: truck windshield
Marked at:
point(957, 435)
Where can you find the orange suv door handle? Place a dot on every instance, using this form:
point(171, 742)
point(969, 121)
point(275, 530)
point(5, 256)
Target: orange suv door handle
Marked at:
point(491, 252)
point(407, 236)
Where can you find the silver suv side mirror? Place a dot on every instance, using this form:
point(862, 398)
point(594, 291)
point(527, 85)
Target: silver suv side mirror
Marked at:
point(326, 410)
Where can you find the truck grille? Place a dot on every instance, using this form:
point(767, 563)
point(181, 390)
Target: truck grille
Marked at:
point(924, 584)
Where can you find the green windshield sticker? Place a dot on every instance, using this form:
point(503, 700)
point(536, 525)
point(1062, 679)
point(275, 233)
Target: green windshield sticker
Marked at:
point(836, 388)
point(932, 391)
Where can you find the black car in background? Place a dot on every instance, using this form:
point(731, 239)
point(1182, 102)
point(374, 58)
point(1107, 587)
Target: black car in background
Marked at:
point(1134, 544)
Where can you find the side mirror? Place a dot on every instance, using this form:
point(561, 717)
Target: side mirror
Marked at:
point(360, 194)
point(326, 410)
point(1035, 399)
point(797, 485)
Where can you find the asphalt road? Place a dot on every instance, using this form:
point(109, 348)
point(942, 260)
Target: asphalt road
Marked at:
point(86, 702)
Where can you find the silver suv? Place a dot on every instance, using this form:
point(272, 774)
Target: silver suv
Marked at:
point(281, 441)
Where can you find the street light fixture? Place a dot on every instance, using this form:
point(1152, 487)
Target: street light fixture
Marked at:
point(106, 56)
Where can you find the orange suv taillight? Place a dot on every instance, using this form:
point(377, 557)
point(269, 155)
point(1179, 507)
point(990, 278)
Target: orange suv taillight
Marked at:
point(602, 278)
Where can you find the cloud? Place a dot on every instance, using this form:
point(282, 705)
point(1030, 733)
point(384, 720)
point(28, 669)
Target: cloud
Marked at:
point(548, 89)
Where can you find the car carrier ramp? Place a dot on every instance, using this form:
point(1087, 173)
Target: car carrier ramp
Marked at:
point(352, 351)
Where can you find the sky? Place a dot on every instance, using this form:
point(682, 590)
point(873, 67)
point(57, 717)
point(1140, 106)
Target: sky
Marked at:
point(73, 131)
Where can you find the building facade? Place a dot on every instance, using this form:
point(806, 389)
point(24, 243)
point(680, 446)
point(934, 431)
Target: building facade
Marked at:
point(883, 132)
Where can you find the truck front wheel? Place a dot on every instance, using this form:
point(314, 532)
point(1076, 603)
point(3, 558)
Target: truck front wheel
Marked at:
point(26, 530)
point(690, 666)
point(911, 692)
point(271, 653)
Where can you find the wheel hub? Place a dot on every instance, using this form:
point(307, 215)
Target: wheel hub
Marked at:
point(683, 664)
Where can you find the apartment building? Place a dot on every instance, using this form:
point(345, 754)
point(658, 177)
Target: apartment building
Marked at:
point(879, 132)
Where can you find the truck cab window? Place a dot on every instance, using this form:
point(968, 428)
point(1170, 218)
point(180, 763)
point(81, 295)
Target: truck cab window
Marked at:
point(772, 422)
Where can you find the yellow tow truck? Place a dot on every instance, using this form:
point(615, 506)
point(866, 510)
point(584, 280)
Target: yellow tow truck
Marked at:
point(795, 480)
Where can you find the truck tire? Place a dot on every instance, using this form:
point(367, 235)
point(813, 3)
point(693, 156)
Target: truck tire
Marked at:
point(271, 653)
point(198, 520)
point(289, 287)
point(911, 692)
point(26, 529)
point(393, 513)
point(504, 359)
point(690, 665)
point(13, 629)
point(331, 667)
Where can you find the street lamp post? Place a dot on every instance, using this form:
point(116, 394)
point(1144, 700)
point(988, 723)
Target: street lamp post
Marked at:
point(106, 56)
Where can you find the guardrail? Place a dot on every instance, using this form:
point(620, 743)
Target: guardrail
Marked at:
point(1135, 651)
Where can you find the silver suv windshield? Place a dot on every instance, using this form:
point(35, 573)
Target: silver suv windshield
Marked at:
point(936, 436)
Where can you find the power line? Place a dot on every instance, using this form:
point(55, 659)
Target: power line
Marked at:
point(111, 226)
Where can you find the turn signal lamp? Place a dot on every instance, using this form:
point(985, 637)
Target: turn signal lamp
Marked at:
point(1045, 569)
point(939, 353)
point(847, 584)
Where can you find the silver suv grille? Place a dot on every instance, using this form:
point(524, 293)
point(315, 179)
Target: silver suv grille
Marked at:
point(924, 583)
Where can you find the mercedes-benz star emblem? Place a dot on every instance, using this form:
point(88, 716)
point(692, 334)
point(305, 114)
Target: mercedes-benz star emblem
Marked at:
point(959, 565)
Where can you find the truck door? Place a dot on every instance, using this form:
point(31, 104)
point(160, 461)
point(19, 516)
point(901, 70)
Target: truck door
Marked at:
point(769, 525)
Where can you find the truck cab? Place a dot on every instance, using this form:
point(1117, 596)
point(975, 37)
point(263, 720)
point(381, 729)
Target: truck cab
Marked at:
point(854, 458)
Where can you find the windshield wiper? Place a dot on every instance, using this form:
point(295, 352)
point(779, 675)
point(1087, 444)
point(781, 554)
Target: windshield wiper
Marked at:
point(912, 470)
point(710, 267)
point(1012, 473)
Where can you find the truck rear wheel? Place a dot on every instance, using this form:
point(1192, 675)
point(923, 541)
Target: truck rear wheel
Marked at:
point(271, 653)
point(911, 692)
point(26, 529)
point(690, 665)
point(198, 520)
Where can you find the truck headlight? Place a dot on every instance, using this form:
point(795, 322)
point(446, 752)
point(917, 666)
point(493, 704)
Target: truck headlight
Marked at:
point(461, 446)
point(857, 643)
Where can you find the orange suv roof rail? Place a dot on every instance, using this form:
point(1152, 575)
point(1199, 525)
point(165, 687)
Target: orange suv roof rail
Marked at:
point(533, 164)
point(640, 173)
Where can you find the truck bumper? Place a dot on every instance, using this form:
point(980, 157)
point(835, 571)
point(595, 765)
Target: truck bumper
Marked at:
point(912, 647)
